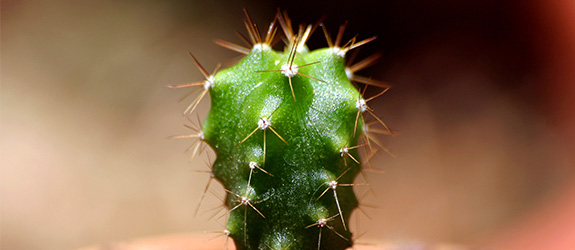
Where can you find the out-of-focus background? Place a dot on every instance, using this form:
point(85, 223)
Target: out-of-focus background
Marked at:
point(479, 98)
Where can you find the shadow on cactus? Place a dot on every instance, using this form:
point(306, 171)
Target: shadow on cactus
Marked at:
point(286, 127)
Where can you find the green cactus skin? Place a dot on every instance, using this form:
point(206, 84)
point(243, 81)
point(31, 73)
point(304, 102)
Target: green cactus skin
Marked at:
point(285, 128)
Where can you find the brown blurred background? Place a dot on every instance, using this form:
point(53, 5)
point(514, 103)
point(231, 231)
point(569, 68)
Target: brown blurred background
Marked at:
point(481, 96)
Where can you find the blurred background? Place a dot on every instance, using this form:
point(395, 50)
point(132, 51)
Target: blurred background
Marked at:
point(483, 99)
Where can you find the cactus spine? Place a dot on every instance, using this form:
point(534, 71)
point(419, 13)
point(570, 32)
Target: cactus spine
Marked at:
point(285, 126)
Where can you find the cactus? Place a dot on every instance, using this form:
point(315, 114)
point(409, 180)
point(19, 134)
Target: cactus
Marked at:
point(286, 127)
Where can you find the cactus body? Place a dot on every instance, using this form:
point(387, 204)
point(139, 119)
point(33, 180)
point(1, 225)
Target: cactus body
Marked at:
point(285, 128)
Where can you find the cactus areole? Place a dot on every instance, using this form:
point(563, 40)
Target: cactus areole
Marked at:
point(286, 127)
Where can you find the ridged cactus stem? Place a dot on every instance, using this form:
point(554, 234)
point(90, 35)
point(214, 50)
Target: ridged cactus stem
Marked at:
point(285, 127)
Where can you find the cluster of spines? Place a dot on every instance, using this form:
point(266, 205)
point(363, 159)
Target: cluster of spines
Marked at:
point(255, 161)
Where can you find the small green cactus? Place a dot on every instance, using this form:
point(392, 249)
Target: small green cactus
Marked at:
point(286, 128)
